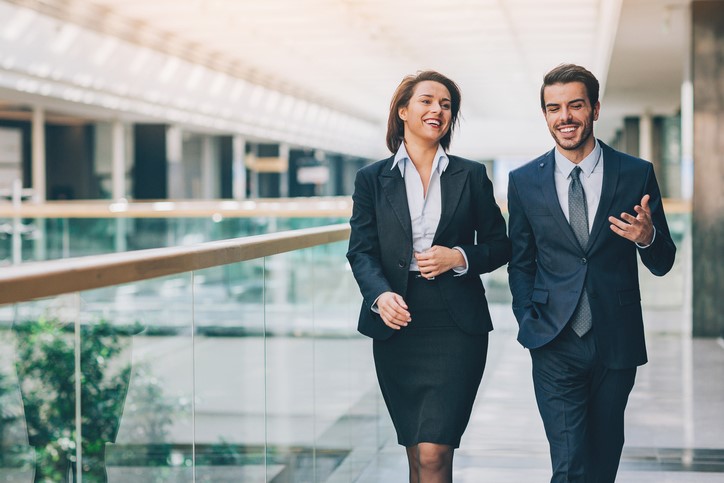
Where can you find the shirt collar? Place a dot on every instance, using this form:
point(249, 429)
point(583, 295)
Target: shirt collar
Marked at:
point(439, 162)
point(589, 163)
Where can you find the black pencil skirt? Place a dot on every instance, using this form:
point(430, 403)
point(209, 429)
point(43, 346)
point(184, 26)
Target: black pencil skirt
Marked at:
point(429, 371)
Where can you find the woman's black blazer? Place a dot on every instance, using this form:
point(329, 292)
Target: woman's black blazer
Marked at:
point(380, 245)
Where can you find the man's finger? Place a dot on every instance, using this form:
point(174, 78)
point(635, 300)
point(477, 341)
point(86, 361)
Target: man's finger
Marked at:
point(640, 210)
point(620, 232)
point(645, 203)
point(622, 225)
point(628, 218)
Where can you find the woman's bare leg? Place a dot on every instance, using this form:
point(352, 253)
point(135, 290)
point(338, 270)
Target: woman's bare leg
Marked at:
point(430, 463)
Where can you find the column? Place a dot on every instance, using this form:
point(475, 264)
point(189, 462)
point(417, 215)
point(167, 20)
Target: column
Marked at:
point(631, 136)
point(174, 158)
point(118, 161)
point(646, 127)
point(38, 154)
point(209, 178)
point(238, 169)
point(284, 173)
point(707, 201)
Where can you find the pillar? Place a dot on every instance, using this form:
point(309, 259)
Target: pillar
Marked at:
point(238, 169)
point(38, 154)
point(118, 161)
point(708, 143)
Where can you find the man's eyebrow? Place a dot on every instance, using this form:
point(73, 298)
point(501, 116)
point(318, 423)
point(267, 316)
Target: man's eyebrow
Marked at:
point(580, 99)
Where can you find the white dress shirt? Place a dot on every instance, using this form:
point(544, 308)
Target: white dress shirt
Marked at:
point(591, 179)
point(425, 210)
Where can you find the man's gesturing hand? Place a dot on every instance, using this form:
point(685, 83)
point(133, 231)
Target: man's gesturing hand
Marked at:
point(639, 229)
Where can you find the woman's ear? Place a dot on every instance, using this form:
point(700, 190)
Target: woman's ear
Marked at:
point(402, 113)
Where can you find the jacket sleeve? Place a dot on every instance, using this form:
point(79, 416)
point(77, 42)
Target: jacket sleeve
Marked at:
point(659, 256)
point(523, 266)
point(492, 247)
point(364, 248)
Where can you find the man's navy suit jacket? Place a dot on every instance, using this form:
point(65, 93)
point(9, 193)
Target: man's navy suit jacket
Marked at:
point(549, 269)
point(380, 245)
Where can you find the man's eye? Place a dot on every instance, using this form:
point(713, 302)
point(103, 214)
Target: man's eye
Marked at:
point(576, 106)
point(552, 109)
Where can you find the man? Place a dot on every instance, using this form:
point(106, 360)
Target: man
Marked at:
point(579, 214)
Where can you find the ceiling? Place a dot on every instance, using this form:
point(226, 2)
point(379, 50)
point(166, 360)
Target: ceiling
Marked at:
point(349, 55)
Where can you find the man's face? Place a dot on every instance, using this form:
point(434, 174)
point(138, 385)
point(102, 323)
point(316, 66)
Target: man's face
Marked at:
point(570, 117)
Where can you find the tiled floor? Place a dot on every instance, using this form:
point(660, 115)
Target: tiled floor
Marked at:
point(674, 427)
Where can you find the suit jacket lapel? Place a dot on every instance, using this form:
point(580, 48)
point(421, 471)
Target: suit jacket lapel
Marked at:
point(452, 182)
point(548, 185)
point(611, 167)
point(393, 186)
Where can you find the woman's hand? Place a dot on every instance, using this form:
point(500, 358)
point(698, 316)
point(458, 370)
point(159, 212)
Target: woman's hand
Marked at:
point(393, 310)
point(437, 260)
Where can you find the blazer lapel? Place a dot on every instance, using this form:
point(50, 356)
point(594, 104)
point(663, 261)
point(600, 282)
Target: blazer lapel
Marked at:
point(611, 167)
point(393, 186)
point(452, 182)
point(546, 169)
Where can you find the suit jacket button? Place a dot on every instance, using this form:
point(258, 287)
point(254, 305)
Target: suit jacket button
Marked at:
point(583, 261)
point(401, 263)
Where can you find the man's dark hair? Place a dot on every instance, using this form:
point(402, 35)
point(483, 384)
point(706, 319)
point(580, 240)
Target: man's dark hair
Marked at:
point(566, 73)
point(402, 96)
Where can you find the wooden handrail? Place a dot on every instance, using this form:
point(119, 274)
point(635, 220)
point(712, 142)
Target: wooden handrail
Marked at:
point(317, 207)
point(312, 207)
point(44, 279)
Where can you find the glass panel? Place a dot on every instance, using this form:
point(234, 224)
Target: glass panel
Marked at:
point(229, 373)
point(345, 387)
point(37, 389)
point(137, 361)
point(289, 318)
point(54, 238)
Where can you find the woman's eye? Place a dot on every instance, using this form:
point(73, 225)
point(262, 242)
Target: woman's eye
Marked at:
point(446, 106)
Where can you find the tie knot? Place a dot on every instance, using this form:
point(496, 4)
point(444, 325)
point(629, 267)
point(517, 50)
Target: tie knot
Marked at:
point(576, 173)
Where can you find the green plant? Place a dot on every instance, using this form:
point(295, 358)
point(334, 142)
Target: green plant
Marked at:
point(46, 372)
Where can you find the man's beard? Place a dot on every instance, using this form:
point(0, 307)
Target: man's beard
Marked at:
point(587, 132)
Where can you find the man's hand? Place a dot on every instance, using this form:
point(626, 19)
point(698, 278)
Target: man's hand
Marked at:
point(393, 310)
point(638, 229)
point(437, 260)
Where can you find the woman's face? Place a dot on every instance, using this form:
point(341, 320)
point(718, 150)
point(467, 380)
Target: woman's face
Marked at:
point(428, 115)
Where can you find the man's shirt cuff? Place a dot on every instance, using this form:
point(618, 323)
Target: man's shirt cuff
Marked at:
point(652, 241)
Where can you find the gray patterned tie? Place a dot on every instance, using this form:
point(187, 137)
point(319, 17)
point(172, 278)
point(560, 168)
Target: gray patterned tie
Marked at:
point(578, 218)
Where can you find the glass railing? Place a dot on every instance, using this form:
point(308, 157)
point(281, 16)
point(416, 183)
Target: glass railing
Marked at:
point(245, 371)
point(233, 360)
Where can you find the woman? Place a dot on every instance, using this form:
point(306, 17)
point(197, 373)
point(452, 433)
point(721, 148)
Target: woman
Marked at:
point(424, 227)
